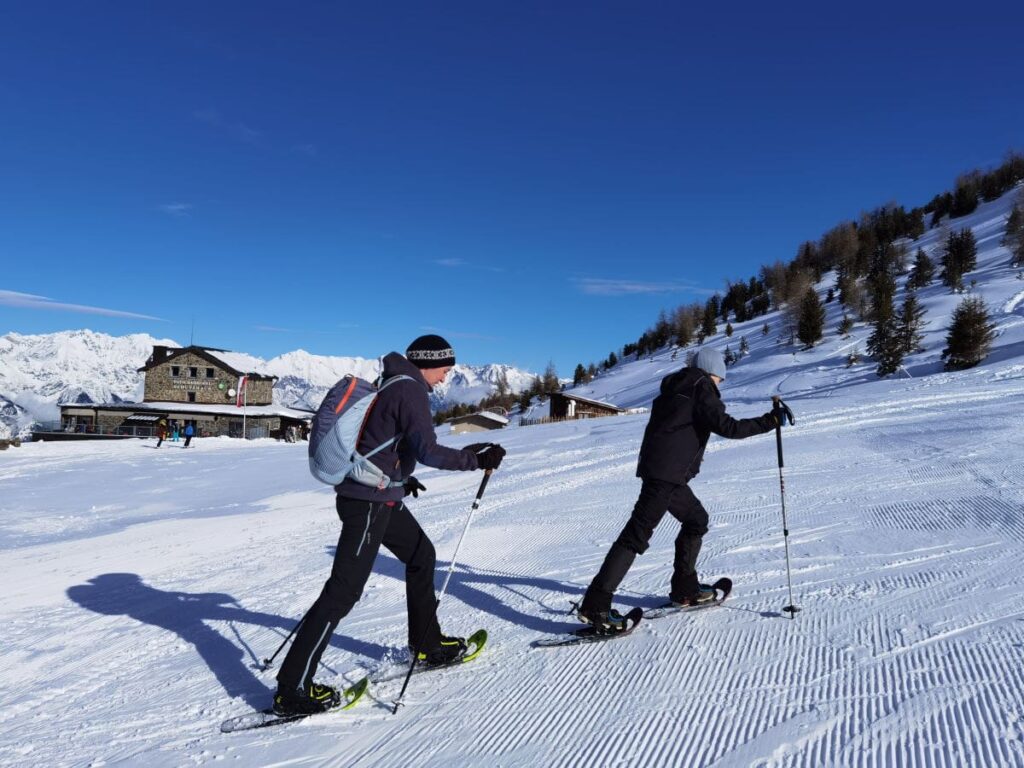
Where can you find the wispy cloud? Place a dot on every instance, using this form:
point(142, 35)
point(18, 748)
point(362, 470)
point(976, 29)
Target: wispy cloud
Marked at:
point(597, 286)
point(176, 209)
point(30, 301)
point(309, 150)
point(455, 263)
point(237, 130)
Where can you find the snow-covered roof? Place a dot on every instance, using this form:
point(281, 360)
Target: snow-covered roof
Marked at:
point(588, 400)
point(484, 414)
point(239, 361)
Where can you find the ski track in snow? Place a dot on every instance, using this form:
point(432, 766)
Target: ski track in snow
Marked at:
point(130, 643)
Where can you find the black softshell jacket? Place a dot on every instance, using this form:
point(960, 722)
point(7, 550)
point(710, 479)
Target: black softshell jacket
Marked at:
point(683, 417)
point(402, 408)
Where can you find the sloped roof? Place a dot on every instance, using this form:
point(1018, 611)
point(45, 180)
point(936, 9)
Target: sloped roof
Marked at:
point(237, 363)
point(569, 396)
point(495, 417)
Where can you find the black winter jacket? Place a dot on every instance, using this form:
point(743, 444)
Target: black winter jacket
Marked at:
point(683, 417)
point(402, 408)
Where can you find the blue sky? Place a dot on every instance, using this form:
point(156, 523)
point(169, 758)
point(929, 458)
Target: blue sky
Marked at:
point(533, 180)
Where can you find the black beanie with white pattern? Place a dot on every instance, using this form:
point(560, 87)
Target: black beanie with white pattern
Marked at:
point(430, 351)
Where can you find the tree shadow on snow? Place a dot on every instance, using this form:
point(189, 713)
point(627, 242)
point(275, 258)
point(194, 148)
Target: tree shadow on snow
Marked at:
point(186, 613)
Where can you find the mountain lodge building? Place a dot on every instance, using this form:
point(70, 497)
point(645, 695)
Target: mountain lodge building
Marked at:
point(216, 391)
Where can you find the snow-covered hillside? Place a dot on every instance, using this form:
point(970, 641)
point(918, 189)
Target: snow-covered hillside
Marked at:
point(38, 372)
point(794, 372)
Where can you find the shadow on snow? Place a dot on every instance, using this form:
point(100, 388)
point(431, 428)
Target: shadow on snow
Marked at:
point(186, 614)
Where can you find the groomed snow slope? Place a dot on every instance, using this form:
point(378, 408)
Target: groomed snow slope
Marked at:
point(130, 643)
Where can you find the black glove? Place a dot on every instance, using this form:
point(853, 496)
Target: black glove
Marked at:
point(413, 486)
point(781, 413)
point(488, 455)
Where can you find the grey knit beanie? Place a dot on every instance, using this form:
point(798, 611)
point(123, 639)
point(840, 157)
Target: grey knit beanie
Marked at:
point(710, 361)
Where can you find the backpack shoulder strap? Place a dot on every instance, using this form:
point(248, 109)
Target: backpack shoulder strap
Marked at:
point(392, 380)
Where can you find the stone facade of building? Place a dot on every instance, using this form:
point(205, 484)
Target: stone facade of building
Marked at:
point(195, 378)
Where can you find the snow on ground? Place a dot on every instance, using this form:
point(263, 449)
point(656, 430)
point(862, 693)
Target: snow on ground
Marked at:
point(143, 585)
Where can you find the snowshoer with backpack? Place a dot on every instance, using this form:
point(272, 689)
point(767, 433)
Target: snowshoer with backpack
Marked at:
point(396, 432)
point(685, 413)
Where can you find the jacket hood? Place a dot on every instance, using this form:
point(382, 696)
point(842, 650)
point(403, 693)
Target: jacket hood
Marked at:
point(396, 365)
point(684, 378)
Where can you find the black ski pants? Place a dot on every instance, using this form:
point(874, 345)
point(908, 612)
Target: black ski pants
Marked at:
point(656, 498)
point(365, 526)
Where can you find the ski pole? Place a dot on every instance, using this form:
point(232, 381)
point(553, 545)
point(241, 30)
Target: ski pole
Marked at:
point(268, 662)
point(782, 411)
point(444, 587)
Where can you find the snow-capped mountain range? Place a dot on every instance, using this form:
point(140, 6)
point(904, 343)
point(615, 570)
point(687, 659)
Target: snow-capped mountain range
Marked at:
point(39, 372)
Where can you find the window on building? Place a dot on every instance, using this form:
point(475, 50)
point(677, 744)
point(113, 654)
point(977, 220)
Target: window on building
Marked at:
point(193, 372)
point(191, 397)
point(210, 373)
point(175, 370)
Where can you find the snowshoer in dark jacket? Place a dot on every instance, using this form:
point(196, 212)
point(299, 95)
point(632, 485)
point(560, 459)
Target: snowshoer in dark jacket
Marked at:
point(685, 413)
point(371, 517)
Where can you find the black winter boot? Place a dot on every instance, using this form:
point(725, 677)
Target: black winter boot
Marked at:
point(317, 698)
point(448, 651)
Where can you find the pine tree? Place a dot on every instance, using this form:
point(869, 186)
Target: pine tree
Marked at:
point(579, 375)
point(884, 343)
point(959, 258)
point(744, 347)
point(830, 296)
point(728, 330)
point(886, 346)
point(845, 326)
point(729, 357)
point(764, 329)
point(1014, 237)
point(923, 271)
point(811, 323)
point(683, 327)
point(970, 335)
point(525, 398)
point(911, 322)
point(709, 326)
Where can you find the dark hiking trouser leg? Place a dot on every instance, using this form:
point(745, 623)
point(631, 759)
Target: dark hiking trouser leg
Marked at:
point(655, 498)
point(362, 529)
point(613, 570)
point(407, 541)
point(188, 439)
point(687, 509)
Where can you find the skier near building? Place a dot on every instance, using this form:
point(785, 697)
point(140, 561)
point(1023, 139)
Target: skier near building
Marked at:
point(161, 432)
point(371, 517)
point(189, 432)
point(685, 413)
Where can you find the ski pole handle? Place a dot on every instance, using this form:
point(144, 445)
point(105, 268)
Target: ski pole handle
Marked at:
point(782, 410)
